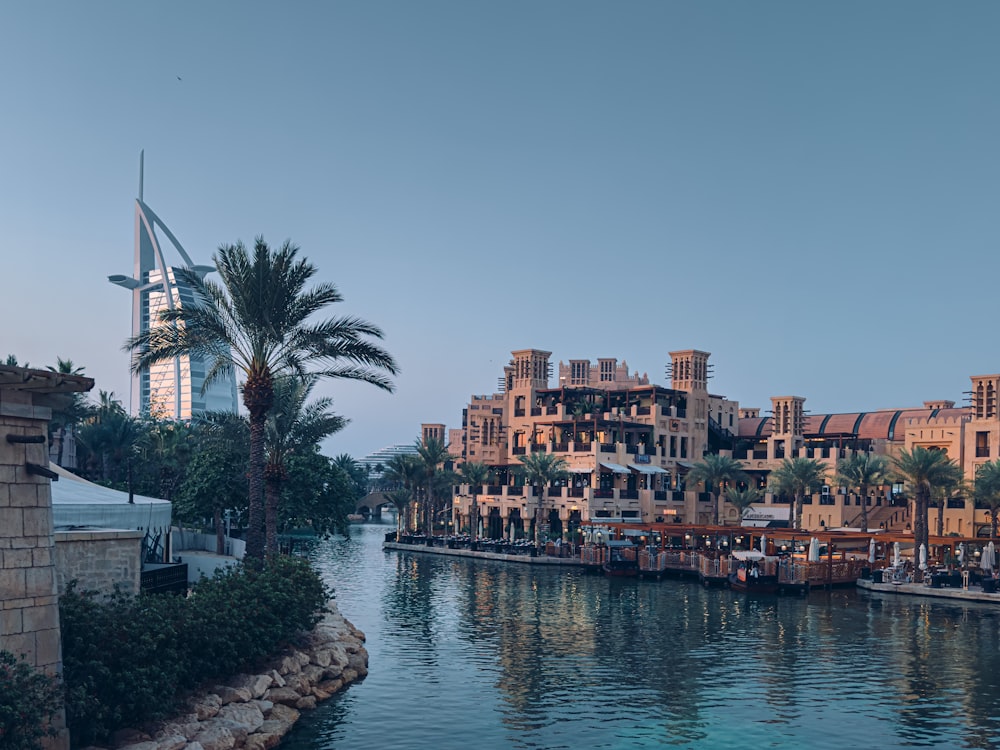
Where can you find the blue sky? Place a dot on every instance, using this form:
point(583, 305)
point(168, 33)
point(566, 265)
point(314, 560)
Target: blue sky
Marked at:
point(807, 190)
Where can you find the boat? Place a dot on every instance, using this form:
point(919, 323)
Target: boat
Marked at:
point(622, 558)
point(756, 573)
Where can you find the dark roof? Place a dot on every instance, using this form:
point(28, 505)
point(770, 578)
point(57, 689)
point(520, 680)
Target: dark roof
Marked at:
point(884, 424)
point(42, 381)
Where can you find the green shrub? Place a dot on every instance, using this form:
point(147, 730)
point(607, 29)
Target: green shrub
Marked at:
point(129, 660)
point(28, 701)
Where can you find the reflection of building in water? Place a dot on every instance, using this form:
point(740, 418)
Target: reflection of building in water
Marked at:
point(171, 389)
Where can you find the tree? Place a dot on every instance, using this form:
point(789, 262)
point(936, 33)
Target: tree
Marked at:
point(257, 322)
point(540, 471)
point(319, 495)
point(986, 491)
point(475, 475)
point(110, 437)
point(797, 477)
point(292, 425)
point(431, 453)
point(403, 473)
point(861, 471)
point(923, 470)
point(950, 486)
point(743, 499)
point(71, 411)
point(401, 498)
point(716, 471)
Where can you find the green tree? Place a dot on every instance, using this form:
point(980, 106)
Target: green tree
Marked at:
point(401, 498)
point(70, 411)
point(29, 699)
point(403, 473)
point(861, 471)
point(716, 472)
point(986, 491)
point(258, 323)
point(110, 439)
point(475, 475)
point(540, 471)
point(319, 495)
point(432, 454)
point(797, 477)
point(292, 425)
point(951, 486)
point(923, 470)
point(743, 499)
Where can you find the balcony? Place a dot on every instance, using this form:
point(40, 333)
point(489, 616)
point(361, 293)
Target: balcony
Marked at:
point(582, 447)
point(643, 411)
point(494, 489)
point(607, 448)
point(518, 450)
point(554, 492)
point(632, 450)
point(551, 410)
point(982, 451)
point(628, 494)
point(604, 494)
point(538, 447)
point(660, 495)
point(577, 492)
point(536, 411)
point(560, 448)
point(518, 412)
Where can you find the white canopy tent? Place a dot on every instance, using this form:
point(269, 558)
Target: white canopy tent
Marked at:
point(78, 503)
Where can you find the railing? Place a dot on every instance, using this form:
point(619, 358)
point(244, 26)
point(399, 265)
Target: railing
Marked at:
point(515, 491)
point(632, 449)
point(494, 489)
point(607, 447)
point(554, 491)
point(582, 447)
point(678, 496)
point(982, 451)
point(604, 494)
point(536, 411)
point(518, 450)
point(552, 410)
point(518, 412)
point(655, 562)
point(577, 492)
point(561, 447)
point(537, 447)
point(660, 495)
point(590, 555)
point(628, 494)
point(642, 411)
point(164, 579)
point(704, 497)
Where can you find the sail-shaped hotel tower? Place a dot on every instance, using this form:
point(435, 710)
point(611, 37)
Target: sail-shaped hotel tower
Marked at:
point(172, 389)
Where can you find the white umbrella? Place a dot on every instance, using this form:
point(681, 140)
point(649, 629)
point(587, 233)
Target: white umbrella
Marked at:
point(923, 557)
point(814, 550)
point(961, 553)
point(763, 544)
point(988, 559)
point(513, 532)
point(871, 550)
point(895, 554)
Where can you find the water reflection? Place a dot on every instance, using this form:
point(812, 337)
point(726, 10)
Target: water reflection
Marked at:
point(506, 655)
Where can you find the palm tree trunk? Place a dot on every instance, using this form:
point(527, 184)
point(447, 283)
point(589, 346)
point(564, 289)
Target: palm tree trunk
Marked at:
point(799, 502)
point(272, 490)
point(474, 518)
point(220, 531)
point(940, 518)
point(716, 496)
point(864, 507)
point(255, 515)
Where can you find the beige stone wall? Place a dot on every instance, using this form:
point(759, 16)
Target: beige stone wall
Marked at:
point(99, 560)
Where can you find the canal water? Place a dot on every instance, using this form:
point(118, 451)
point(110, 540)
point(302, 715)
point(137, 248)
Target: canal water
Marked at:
point(474, 655)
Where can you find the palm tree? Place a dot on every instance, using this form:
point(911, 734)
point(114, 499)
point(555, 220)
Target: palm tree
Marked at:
point(292, 425)
point(743, 499)
point(403, 472)
point(432, 453)
point(475, 475)
point(861, 471)
point(70, 412)
point(401, 498)
point(257, 322)
point(540, 471)
point(987, 491)
point(716, 471)
point(952, 485)
point(797, 477)
point(923, 470)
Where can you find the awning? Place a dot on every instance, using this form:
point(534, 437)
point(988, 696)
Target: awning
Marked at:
point(579, 470)
point(634, 532)
point(616, 468)
point(685, 464)
point(648, 469)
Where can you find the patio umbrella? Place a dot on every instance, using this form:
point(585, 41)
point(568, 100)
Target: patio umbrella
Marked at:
point(988, 560)
point(871, 550)
point(961, 553)
point(923, 557)
point(763, 544)
point(895, 554)
point(814, 550)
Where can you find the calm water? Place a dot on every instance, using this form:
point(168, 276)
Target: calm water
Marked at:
point(469, 654)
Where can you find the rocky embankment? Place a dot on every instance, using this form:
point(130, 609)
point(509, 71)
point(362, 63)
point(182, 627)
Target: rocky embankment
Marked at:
point(254, 711)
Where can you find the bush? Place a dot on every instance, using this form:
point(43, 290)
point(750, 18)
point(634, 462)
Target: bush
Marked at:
point(130, 660)
point(28, 701)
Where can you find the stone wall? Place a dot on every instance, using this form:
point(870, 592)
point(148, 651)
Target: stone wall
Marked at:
point(99, 560)
point(29, 610)
point(254, 711)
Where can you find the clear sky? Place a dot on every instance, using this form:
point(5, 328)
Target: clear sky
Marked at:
point(807, 190)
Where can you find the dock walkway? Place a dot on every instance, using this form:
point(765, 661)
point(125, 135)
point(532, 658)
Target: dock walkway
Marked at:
point(502, 556)
point(972, 594)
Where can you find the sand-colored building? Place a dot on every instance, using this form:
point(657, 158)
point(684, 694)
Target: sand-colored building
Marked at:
point(628, 445)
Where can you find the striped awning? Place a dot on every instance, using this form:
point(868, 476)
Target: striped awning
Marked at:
point(616, 468)
point(648, 469)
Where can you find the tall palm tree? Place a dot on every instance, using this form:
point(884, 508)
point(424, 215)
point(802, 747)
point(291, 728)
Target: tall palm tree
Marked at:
point(292, 425)
point(716, 471)
point(540, 471)
point(258, 323)
point(475, 475)
point(987, 491)
point(401, 498)
point(402, 471)
point(923, 470)
point(432, 453)
point(861, 471)
point(952, 485)
point(72, 410)
point(797, 477)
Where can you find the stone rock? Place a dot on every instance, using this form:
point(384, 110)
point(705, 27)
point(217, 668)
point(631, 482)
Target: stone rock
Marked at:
point(194, 746)
point(185, 726)
point(312, 673)
point(349, 675)
point(305, 703)
point(276, 679)
point(299, 684)
point(129, 737)
point(283, 713)
point(331, 686)
point(172, 742)
point(215, 736)
point(247, 715)
point(146, 745)
point(285, 696)
point(207, 706)
point(232, 695)
point(263, 705)
point(321, 657)
point(288, 665)
point(302, 658)
point(257, 684)
point(259, 741)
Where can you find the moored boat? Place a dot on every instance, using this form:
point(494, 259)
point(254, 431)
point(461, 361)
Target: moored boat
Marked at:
point(756, 573)
point(622, 558)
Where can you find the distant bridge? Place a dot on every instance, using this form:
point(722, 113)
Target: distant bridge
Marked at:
point(372, 504)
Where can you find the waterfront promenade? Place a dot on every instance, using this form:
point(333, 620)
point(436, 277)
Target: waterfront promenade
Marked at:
point(971, 594)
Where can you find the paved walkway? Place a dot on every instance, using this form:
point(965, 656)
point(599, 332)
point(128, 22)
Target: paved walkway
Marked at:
point(526, 559)
point(971, 594)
